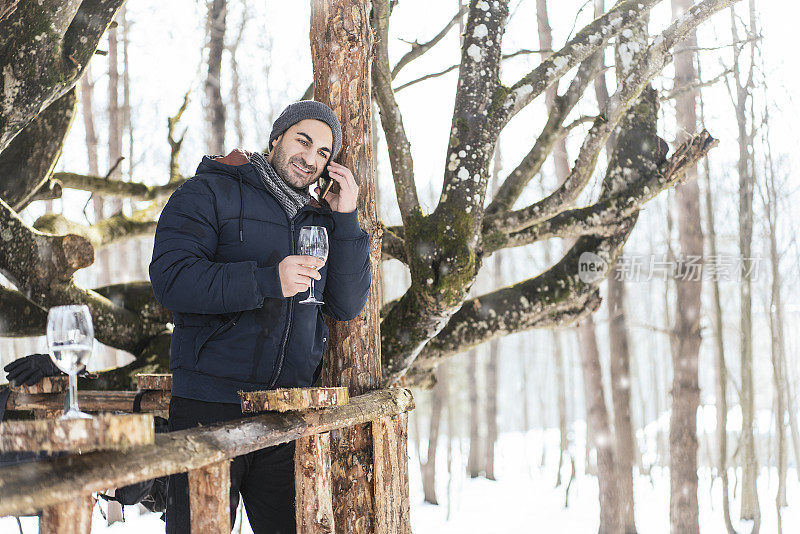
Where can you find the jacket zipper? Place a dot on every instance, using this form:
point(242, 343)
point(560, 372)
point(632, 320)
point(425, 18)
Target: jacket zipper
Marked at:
point(279, 364)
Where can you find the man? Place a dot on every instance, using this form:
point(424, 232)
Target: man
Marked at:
point(225, 263)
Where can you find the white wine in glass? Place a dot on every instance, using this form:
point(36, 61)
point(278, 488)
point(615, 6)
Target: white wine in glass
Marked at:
point(70, 335)
point(313, 242)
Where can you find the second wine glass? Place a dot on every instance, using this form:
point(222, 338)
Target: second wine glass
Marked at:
point(313, 242)
point(70, 335)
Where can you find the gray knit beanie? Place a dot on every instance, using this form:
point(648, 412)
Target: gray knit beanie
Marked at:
point(308, 109)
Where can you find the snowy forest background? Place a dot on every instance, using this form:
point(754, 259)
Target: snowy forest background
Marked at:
point(500, 443)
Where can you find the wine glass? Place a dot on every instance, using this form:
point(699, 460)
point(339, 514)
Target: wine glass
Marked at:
point(313, 242)
point(69, 336)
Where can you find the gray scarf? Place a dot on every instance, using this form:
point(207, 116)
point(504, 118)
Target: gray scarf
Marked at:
point(290, 199)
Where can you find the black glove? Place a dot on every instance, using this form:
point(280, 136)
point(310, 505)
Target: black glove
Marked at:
point(30, 369)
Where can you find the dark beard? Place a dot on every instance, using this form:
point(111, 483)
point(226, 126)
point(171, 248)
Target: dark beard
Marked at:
point(281, 163)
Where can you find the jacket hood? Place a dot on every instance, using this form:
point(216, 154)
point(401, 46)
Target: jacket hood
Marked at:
point(245, 172)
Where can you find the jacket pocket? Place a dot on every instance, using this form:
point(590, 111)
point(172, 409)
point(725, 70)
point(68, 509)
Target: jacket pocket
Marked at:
point(207, 333)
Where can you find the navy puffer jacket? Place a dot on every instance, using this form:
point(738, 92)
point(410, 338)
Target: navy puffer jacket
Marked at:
point(215, 266)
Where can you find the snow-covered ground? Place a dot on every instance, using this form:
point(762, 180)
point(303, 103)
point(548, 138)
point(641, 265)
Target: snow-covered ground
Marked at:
point(524, 499)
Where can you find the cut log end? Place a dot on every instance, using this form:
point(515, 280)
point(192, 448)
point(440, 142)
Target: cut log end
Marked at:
point(290, 399)
point(78, 251)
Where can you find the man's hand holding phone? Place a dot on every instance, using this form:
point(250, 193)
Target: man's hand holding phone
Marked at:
point(345, 200)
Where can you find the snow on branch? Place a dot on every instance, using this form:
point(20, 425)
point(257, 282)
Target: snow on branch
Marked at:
point(586, 42)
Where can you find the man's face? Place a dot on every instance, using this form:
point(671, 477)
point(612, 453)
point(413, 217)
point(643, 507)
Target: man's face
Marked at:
point(300, 154)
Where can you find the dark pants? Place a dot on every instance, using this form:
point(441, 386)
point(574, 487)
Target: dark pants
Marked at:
point(265, 478)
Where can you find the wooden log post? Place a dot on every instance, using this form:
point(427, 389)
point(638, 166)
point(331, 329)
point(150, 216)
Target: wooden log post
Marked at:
point(71, 517)
point(341, 54)
point(313, 500)
point(209, 499)
point(392, 506)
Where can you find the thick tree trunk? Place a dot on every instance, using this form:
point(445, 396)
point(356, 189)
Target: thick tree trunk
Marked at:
point(629, 48)
point(492, 365)
point(684, 510)
point(215, 108)
point(602, 438)
point(341, 52)
point(115, 264)
point(115, 125)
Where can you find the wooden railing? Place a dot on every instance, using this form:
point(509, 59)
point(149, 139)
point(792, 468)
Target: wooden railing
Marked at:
point(61, 487)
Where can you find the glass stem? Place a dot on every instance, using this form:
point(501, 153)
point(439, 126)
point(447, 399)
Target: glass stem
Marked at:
point(73, 392)
point(311, 291)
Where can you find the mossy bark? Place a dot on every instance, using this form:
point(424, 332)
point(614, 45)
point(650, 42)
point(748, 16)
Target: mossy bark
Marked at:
point(44, 48)
point(27, 163)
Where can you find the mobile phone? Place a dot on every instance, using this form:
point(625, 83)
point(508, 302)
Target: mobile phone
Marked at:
point(324, 182)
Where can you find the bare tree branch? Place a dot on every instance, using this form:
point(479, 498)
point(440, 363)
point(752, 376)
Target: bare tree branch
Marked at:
point(107, 186)
point(175, 144)
point(678, 91)
point(648, 66)
point(585, 43)
point(451, 68)
point(393, 246)
point(603, 217)
point(112, 229)
point(515, 183)
point(41, 66)
point(391, 119)
point(417, 48)
point(118, 188)
point(454, 67)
